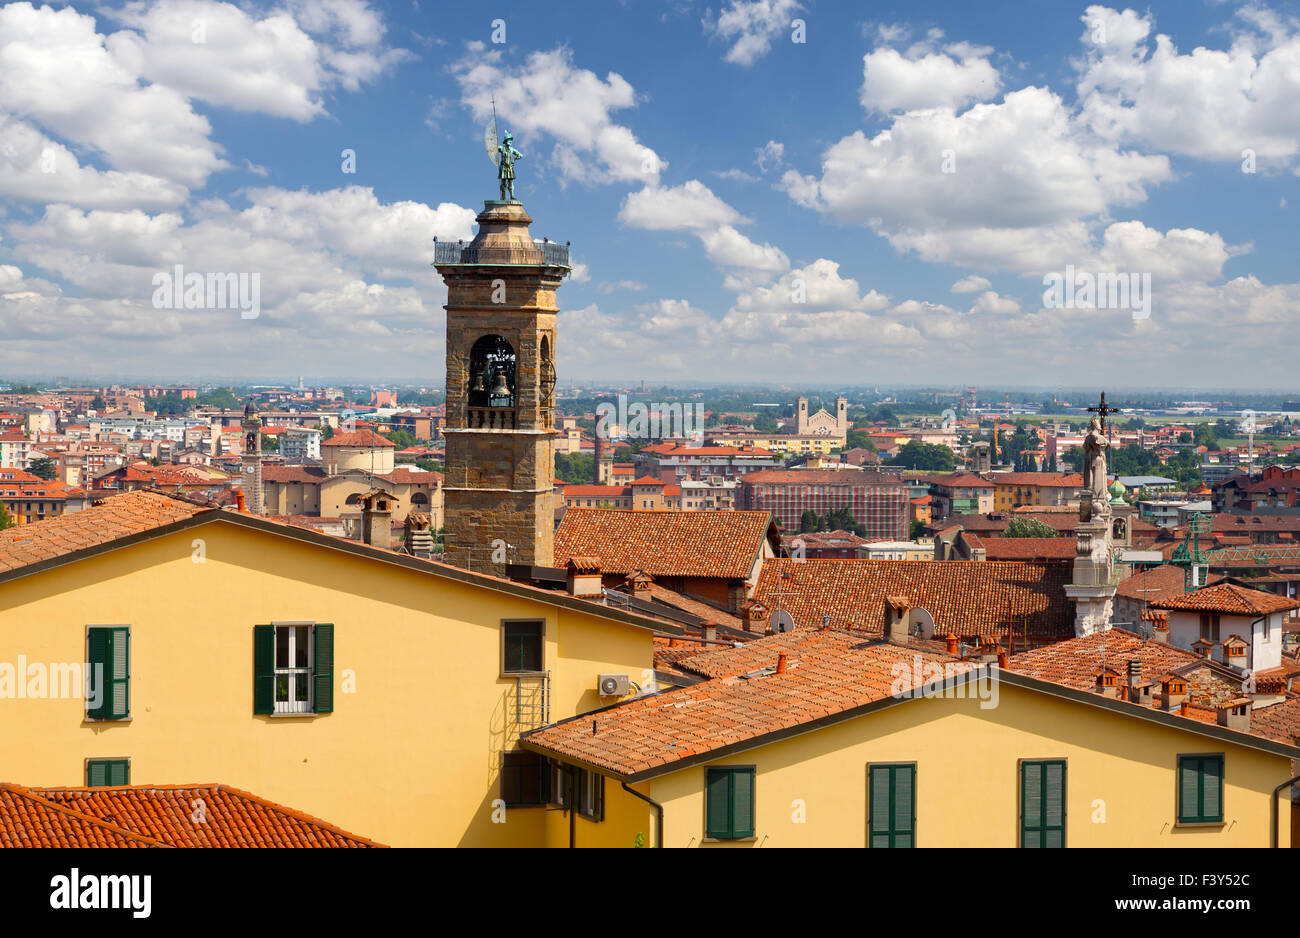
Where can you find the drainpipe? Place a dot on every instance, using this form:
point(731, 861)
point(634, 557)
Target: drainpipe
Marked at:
point(659, 813)
point(1276, 792)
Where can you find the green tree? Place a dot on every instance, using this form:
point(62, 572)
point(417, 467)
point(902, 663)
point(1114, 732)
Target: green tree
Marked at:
point(6, 519)
point(97, 403)
point(1133, 460)
point(765, 423)
point(575, 467)
point(402, 439)
point(916, 530)
point(929, 457)
point(1076, 457)
point(43, 468)
point(808, 522)
point(1205, 435)
point(858, 439)
point(1028, 527)
point(326, 432)
point(270, 444)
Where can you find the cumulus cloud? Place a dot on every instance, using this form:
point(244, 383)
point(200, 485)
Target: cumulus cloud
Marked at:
point(547, 94)
point(1208, 103)
point(750, 26)
point(950, 79)
point(972, 284)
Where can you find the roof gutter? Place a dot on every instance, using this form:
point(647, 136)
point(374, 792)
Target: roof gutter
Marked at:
point(659, 813)
point(1276, 791)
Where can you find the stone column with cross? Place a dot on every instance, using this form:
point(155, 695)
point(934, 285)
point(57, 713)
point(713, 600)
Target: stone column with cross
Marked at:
point(1092, 588)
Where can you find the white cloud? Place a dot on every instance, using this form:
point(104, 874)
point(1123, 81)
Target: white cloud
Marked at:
point(547, 94)
point(972, 284)
point(751, 26)
point(990, 303)
point(770, 156)
point(56, 71)
point(690, 206)
point(892, 83)
point(1209, 103)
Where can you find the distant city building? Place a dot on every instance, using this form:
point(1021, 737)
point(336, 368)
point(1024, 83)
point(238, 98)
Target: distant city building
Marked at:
point(877, 501)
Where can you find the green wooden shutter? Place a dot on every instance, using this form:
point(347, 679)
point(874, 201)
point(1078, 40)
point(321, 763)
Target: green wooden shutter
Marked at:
point(1042, 804)
point(892, 810)
point(98, 657)
point(1212, 788)
point(742, 802)
point(117, 772)
point(107, 772)
point(323, 636)
point(263, 669)
point(118, 696)
point(1200, 789)
point(717, 787)
point(96, 773)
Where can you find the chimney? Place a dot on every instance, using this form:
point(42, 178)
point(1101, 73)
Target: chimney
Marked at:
point(1002, 658)
point(780, 663)
point(989, 648)
point(377, 518)
point(419, 535)
point(582, 576)
point(1106, 683)
point(1173, 693)
point(754, 615)
point(239, 500)
point(951, 642)
point(710, 631)
point(1159, 620)
point(1134, 678)
point(638, 584)
point(1235, 714)
point(896, 619)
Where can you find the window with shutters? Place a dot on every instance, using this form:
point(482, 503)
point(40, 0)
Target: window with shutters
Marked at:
point(523, 778)
point(729, 802)
point(108, 683)
point(591, 795)
point(1042, 803)
point(522, 646)
point(293, 668)
point(892, 809)
point(104, 773)
point(1200, 789)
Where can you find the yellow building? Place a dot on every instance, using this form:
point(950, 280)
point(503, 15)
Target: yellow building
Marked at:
point(372, 688)
point(1013, 490)
point(820, 738)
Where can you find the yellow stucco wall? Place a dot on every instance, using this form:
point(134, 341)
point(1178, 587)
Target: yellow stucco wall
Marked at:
point(410, 754)
point(1120, 771)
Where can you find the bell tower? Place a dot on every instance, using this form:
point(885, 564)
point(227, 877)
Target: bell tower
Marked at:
point(500, 463)
point(251, 424)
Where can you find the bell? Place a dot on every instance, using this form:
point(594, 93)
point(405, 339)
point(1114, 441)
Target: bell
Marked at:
point(478, 382)
point(499, 387)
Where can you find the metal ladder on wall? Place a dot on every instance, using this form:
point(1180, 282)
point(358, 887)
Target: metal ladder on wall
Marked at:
point(532, 700)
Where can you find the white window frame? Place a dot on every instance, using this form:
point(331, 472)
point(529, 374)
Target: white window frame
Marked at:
point(292, 673)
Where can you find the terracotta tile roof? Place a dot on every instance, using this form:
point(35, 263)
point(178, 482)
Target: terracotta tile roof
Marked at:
point(646, 480)
point(1076, 661)
point(163, 815)
point(827, 672)
point(695, 607)
point(965, 598)
point(964, 480)
point(27, 820)
point(116, 517)
point(1229, 599)
point(1064, 520)
point(665, 543)
point(1029, 548)
point(359, 439)
point(1279, 721)
point(1157, 583)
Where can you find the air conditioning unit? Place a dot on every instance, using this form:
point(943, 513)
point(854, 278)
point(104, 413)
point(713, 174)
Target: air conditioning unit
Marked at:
point(614, 685)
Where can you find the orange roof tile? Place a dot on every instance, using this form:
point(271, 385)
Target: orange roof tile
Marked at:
point(116, 517)
point(359, 439)
point(964, 597)
point(163, 815)
point(828, 672)
point(665, 543)
point(1228, 599)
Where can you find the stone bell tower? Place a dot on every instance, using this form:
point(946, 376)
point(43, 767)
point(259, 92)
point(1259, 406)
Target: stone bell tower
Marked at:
point(251, 424)
point(500, 465)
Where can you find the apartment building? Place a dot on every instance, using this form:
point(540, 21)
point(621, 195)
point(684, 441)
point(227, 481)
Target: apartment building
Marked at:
point(877, 501)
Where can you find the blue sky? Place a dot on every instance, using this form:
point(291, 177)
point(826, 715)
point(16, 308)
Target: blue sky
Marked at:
point(879, 203)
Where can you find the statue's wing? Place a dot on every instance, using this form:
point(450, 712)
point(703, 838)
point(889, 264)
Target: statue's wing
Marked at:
point(490, 142)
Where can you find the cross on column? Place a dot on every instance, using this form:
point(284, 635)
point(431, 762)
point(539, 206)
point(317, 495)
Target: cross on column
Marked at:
point(1101, 410)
